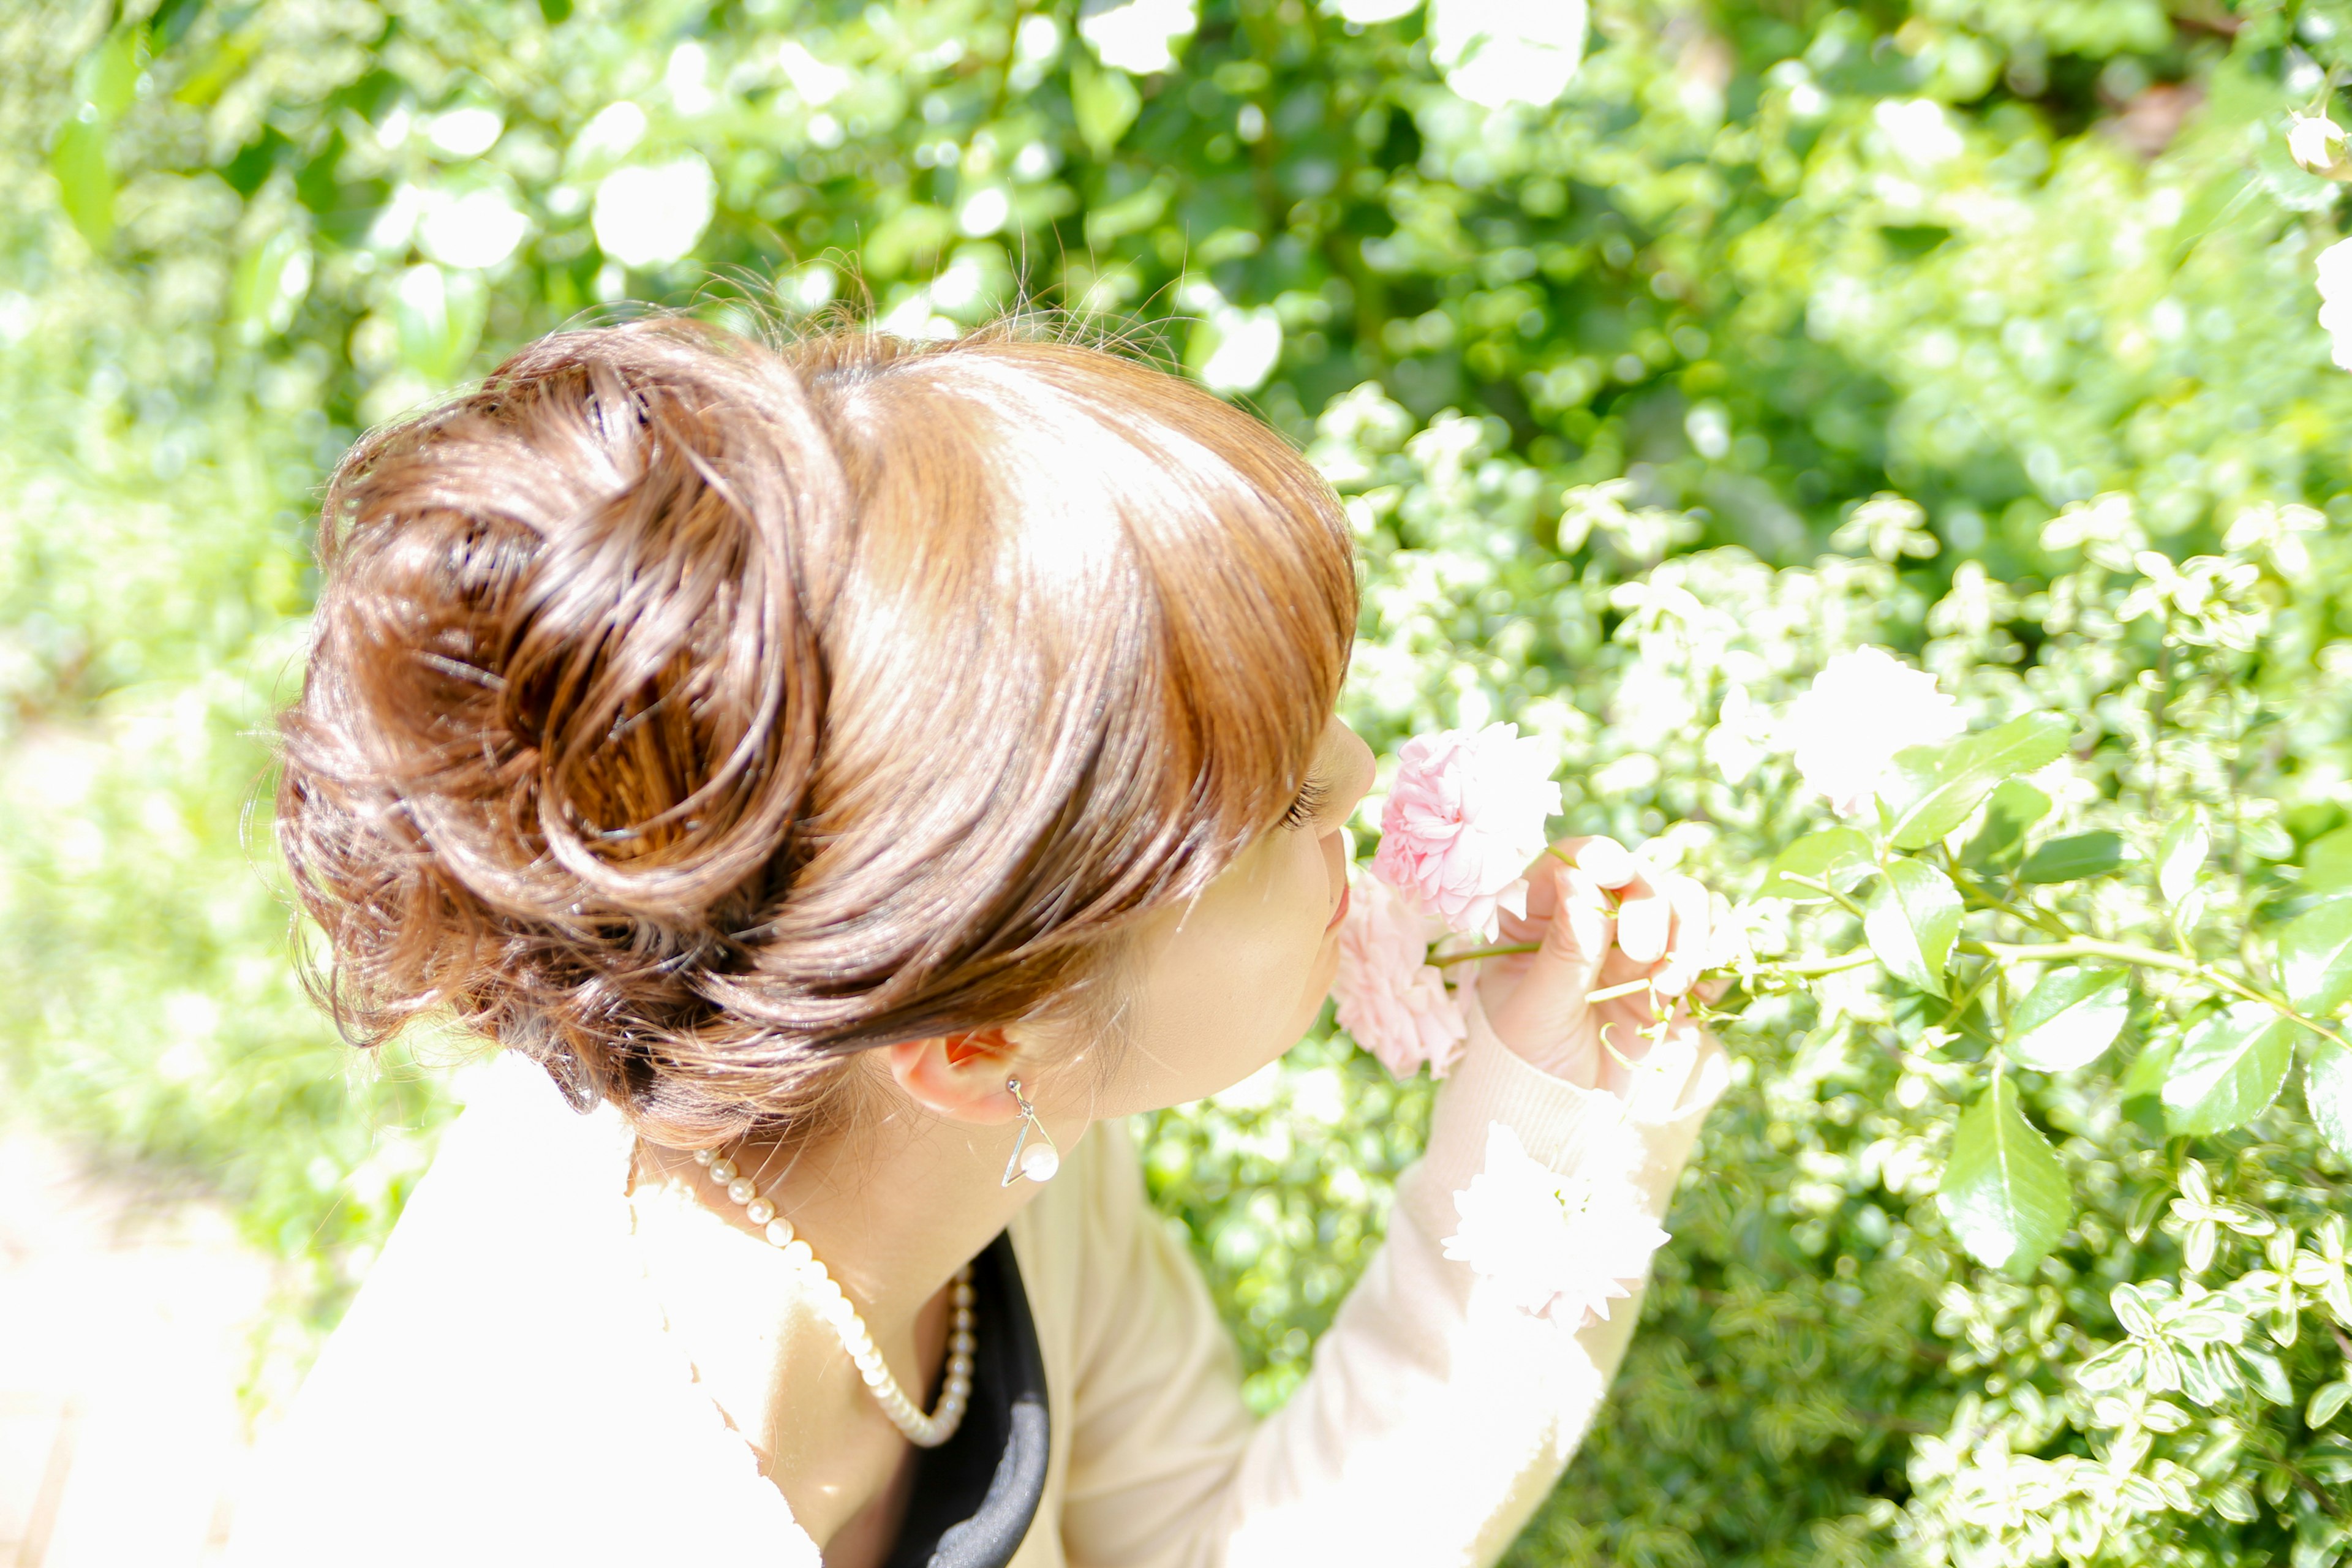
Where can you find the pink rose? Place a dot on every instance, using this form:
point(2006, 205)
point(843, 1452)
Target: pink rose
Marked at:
point(1464, 818)
point(1391, 1000)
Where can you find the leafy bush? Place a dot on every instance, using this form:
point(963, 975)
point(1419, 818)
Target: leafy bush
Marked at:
point(1982, 333)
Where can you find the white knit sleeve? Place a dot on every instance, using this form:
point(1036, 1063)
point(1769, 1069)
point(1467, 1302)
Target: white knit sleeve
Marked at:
point(1438, 1412)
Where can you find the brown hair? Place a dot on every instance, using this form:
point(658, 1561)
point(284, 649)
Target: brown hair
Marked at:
point(688, 712)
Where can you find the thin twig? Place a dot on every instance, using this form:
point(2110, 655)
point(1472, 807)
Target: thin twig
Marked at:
point(1984, 897)
point(1822, 886)
point(2092, 947)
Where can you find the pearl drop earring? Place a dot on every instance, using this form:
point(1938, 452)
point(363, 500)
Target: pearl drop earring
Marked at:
point(1037, 1160)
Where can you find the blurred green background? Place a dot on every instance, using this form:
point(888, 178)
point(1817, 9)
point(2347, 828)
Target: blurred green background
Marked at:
point(1760, 262)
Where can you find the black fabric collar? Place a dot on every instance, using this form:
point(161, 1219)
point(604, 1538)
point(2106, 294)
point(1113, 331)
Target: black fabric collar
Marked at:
point(976, 1494)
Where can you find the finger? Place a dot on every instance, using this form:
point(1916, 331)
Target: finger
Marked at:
point(1686, 953)
point(1542, 898)
point(1542, 884)
point(1644, 918)
point(1544, 1008)
point(1607, 862)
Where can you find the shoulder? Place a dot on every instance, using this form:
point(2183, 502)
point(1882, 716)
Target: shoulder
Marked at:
point(502, 1362)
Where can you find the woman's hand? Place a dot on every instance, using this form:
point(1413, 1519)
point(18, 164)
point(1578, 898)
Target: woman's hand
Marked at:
point(1605, 918)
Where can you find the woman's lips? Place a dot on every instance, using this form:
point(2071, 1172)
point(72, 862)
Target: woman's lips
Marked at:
point(1341, 912)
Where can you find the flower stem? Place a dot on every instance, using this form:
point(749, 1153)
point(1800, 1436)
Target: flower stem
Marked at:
point(1606, 994)
point(1503, 951)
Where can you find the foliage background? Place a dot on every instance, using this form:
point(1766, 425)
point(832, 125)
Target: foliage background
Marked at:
point(1761, 262)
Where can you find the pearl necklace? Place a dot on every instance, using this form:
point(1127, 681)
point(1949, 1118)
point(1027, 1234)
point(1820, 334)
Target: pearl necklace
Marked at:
point(835, 1308)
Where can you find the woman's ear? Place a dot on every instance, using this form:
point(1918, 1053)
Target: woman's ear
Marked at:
point(959, 1076)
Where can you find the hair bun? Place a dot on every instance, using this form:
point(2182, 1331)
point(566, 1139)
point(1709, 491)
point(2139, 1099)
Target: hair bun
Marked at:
point(571, 758)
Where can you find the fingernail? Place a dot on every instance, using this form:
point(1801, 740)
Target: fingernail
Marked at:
point(1607, 862)
point(1641, 931)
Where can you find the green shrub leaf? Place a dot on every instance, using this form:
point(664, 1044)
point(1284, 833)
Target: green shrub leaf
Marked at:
point(2070, 1017)
point(2328, 1095)
point(2327, 862)
point(85, 179)
point(2014, 807)
point(1932, 789)
point(2004, 1192)
point(2315, 957)
point(439, 314)
point(2228, 1069)
point(2073, 858)
point(1912, 923)
point(108, 77)
point(2186, 844)
point(1838, 856)
point(1104, 104)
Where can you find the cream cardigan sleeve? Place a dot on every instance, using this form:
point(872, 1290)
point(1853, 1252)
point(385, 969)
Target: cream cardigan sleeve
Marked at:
point(1436, 1416)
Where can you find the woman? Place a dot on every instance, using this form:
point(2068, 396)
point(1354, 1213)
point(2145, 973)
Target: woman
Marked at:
point(841, 776)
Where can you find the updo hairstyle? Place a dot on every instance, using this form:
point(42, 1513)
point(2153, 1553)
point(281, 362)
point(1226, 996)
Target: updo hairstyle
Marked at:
point(689, 713)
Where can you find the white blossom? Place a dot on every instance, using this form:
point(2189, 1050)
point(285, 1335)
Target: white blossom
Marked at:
point(646, 215)
point(2334, 270)
point(1139, 36)
point(1862, 709)
point(480, 228)
point(1917, 131)
point(815, 82)
point(1495, 52)
point(464, 132)
point(1558, 1245)
point(610, 133)
point(2317, 143)
point(1243, 347)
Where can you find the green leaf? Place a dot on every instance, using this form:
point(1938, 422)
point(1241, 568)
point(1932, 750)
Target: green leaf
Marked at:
point(2265, 1376)
point(2073, 858)
point(172, 19)
point(1839, 857)
point(1932, 789)
point(2328, 1095)
point(440, 316)
point(2326, 1401)
point(2327, 862)
point(85, 181)
point(1914, 1013)
point(2315, 957)
point(2015, 806)
point(269, 284)
point(2004, 1192)
point(2228, 1069)
point(2149, 1069)
point(1912, 923)
point(2068, 1018)
point(108, 78)
point(1105, 102)
point(2186, 844)
point(2142, 1088)
point(1129, 214)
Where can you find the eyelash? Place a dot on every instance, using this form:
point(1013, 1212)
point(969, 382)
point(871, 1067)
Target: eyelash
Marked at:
point(1309, 803)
